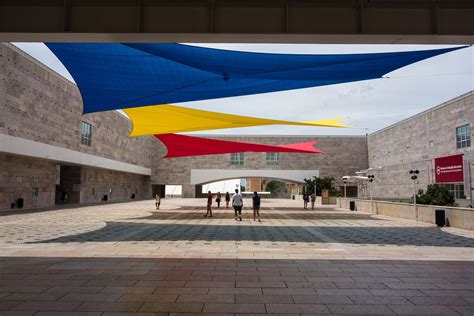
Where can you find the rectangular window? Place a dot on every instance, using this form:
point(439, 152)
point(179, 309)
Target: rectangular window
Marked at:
point(463, 136)
point(237, 159)
point(431, 144)
point(273, 158)
point(35, 192)
point(86, 133)
point(457, 189)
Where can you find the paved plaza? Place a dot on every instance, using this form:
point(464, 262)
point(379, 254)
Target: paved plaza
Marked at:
point(129, 258)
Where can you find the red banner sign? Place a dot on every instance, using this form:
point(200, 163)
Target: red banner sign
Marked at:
point(449, 169)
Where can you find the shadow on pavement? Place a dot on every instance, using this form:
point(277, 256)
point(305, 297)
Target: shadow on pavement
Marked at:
point(264, 214)
point(127, 231)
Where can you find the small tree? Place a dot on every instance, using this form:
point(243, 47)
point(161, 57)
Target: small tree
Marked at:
point(326, 183)
point(276, 188)
point(436, 195)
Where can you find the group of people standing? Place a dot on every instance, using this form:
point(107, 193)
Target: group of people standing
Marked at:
point(237, 204)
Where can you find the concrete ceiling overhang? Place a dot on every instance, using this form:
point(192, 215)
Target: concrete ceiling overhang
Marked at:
point(203, 176)
point(257, 21)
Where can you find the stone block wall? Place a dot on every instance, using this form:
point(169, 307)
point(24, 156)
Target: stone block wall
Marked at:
point(40, 105)
point(414, 143)
point(118, 186)
point(18, 177)
point(342, 155)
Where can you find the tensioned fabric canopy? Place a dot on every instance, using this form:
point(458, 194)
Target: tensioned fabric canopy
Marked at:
point(164, 119)
point(183, 146)
point(116, 76)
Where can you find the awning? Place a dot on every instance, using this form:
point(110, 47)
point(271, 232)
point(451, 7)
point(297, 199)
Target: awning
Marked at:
point(164, 119)
point(117, 76)
point(183, 146)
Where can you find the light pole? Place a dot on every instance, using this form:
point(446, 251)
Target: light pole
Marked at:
point(314, 178)
point(414, 176)
point(371, 179)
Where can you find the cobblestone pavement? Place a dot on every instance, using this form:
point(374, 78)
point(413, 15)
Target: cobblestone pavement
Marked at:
point(130, 258)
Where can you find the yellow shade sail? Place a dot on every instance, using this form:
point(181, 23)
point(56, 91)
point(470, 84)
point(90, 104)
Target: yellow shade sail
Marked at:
point(164, 119)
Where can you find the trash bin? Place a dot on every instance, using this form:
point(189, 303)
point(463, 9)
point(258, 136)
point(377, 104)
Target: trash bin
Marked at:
point(19, 202)
point(440, 216)
point(105, 198)
point(352, 205)
point(293, 196)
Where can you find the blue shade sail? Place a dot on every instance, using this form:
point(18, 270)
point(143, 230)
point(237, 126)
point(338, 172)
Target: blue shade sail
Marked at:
point(115, 76)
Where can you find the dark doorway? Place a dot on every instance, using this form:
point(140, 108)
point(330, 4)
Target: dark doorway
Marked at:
point(69, 188)
point(351, 191)
point(158, 188)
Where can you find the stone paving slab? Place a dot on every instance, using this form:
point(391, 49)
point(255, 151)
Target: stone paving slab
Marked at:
point(129, 259)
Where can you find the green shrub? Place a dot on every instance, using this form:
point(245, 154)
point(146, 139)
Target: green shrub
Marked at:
point(436, 195)
point(277, 189)
point(326, 183)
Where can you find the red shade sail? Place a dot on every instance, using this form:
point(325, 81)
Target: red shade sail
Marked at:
point(184, 146)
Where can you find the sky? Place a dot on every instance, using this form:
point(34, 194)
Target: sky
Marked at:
point(369, 105)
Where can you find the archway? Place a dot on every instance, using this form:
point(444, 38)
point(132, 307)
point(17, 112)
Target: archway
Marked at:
point(200, 177)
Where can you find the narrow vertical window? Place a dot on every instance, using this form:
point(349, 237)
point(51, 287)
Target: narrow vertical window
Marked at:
point(86, 134)
point(463, 136)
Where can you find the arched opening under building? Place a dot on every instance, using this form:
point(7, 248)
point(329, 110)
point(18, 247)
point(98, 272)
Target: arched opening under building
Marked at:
point(266, 187)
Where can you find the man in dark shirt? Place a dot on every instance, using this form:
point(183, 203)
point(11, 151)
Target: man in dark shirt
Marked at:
point(256, 205)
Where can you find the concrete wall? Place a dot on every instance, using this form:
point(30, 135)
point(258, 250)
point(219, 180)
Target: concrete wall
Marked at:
point(457, 217)
point(406, 145)
point(342, 155)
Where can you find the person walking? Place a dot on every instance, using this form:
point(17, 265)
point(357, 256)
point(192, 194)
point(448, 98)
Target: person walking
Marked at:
point(227, 199)
point(256, 205)
point(313, 200)
point(209, 204)
point(218, 199)
point(305, 200)
point(157, 200)
point(237, 203)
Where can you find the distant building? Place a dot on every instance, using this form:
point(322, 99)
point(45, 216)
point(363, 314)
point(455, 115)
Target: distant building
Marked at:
point(418, 143)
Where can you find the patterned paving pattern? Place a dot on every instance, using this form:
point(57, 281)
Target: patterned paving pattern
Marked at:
point(124, 231)
point(59, 286)
point(128, 258)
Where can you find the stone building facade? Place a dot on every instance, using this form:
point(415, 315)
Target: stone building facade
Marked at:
point(341, 155)
point(44, 161)
point(41, 154)
point(415, 142)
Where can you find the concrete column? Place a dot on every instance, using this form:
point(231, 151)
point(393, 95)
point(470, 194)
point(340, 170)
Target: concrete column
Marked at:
point(189, 191)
